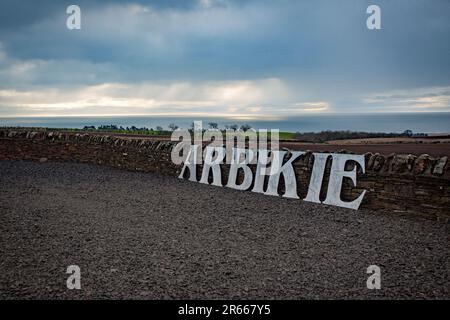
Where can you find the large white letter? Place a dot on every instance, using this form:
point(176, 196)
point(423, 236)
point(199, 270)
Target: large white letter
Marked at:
point(261, 171)
point(214, 164)
point(337, 174)
point(288, 173)
point(315, 183)
point(236, 164)
point(191, 164)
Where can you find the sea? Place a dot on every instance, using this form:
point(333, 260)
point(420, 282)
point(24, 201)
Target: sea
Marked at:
point(387, 122)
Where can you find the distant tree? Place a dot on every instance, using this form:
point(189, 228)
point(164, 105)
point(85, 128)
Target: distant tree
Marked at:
point(110, 127)
point(213, 125)
point(173, 126)
point(159, 128)
point(245, 127)
point(328, 135)
point(234, 127)
point(408, 133)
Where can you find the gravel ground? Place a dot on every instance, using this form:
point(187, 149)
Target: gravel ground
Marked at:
point(143, 236)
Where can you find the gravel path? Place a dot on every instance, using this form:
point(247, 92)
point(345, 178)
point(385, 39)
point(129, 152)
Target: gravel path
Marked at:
point(139, 235)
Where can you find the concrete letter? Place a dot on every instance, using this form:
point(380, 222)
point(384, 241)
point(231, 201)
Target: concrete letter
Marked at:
point(288, 173)
point(337, 175)
point(236, 164)
point(191, 163)
point(315, 184)
point(213, 164)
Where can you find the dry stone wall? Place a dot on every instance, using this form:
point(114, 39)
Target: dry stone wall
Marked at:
point(394, 183)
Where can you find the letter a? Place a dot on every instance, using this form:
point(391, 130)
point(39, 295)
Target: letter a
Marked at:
point(374, 281)
point(74, 20)
point(74, 280)
point(374, 20)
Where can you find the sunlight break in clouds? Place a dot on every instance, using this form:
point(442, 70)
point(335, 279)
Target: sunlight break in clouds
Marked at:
point(432, 99)
point(223, 57)
point(247, 98)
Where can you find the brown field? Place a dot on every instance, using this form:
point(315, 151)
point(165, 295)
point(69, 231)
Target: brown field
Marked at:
point(390, 140)
point(437, 147)
point(433, 149)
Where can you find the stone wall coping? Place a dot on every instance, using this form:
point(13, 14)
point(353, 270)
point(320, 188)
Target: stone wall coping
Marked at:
point(408, 164)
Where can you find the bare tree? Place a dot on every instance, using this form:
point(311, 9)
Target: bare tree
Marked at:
point(213, 125)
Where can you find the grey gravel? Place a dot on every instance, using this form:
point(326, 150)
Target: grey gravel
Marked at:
point(144, 236)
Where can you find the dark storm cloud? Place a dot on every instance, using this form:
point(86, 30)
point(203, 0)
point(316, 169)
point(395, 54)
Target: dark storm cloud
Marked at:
point(15, 14)
point(320, 50)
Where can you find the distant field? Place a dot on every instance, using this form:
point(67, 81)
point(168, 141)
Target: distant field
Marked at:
point(438, 147)
point(433, 149)
point(390, 140)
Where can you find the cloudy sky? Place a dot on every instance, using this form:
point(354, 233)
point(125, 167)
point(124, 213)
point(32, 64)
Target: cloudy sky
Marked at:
point(247, 58)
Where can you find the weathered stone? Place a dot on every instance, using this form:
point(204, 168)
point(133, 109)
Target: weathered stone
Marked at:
point(402, 163)
point(388, 163)
point(31, 135)
point(367, 157)
point(439, 167)
point(371, 162)
point(415, 190)
point(422, 164)
point(378, 163)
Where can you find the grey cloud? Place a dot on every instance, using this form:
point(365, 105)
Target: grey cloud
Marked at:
point(321, 50)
